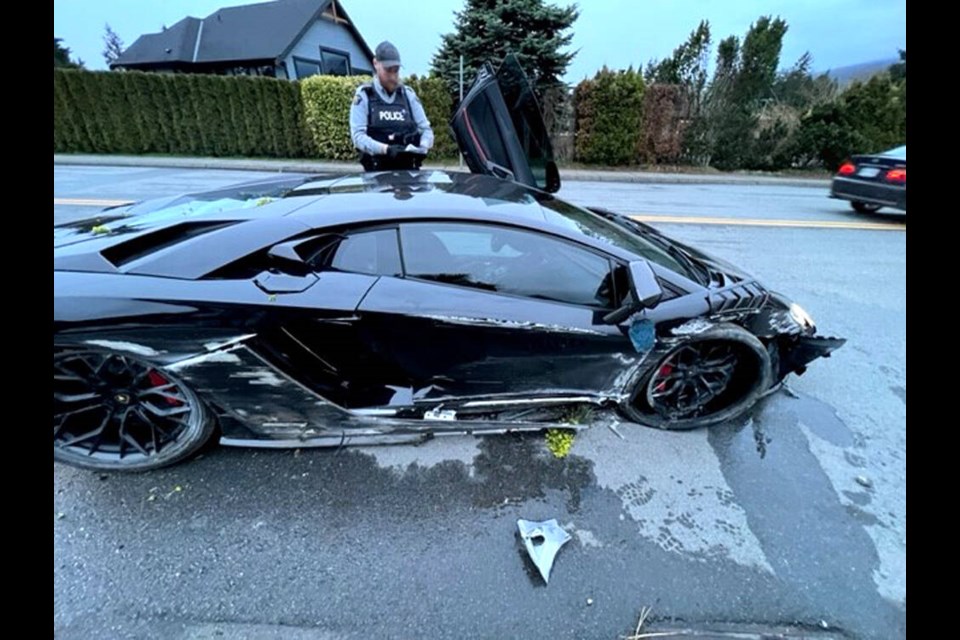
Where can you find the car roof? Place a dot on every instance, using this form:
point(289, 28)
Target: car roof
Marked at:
point(401, 195)
point(370, 199)
point(192, 245)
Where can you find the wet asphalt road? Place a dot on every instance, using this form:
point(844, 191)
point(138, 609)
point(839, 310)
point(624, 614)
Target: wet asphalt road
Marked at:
point(795, 515)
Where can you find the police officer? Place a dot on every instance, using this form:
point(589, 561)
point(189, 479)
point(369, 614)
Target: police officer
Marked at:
point(387, 117)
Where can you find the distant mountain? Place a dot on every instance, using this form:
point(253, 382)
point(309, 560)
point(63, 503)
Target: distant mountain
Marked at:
point(862, 71)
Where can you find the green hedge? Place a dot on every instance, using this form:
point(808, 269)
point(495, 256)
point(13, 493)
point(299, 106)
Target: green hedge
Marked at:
point(326, 110)
point(208, 115)
point(326, 104)
point(435, 97)
point(609, 116)
point(68, 132)
point(868, 117)
point(665, 117)
point(241, 116)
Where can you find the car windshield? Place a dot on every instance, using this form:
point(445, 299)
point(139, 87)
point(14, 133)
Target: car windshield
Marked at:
point(590, 224)
point(897, 152)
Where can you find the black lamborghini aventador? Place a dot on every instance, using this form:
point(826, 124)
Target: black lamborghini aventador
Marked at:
point(387, 307)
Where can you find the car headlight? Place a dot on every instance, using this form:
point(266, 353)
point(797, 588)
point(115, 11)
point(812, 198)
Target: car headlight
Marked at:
point(800, 316)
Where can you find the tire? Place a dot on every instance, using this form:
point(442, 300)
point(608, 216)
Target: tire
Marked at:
point(865, 207)
point(674, 393)
point(115, 412)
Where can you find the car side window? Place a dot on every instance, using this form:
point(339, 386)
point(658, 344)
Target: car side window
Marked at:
point(369, 252)
point(505, 260)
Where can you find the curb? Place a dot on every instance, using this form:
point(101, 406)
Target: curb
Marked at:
point(306, 166)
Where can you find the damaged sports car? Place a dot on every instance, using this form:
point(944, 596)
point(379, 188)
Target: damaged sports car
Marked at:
point(329, 310)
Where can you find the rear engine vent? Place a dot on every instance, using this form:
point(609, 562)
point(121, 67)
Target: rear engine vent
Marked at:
point(143, 245)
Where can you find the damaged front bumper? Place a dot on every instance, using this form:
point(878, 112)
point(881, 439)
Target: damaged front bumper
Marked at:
point(797, 353)
point(791, 336)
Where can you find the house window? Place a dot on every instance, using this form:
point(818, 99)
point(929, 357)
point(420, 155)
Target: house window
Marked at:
point(335, 63)
point(306, 68)
point(268, 71)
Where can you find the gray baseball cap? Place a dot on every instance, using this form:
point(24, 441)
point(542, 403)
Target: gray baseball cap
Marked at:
point(387, 54)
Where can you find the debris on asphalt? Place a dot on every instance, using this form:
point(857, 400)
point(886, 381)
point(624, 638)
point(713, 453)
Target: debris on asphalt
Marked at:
point(543, 541)
point(644, 614)
point(864, 481)
point(176, 489)
point(612, 425)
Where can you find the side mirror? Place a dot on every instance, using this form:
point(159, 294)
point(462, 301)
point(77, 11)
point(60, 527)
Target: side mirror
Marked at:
point(644, 293)
point(643, 284)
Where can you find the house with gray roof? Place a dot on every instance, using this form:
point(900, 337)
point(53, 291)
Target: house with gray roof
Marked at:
point(290, 39)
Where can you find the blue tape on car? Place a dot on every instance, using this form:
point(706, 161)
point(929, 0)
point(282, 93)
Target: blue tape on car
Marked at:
point(642, 335)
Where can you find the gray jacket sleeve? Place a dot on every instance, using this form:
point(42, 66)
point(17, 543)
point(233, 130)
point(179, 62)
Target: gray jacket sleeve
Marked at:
point(420, 117)
point(358, 126)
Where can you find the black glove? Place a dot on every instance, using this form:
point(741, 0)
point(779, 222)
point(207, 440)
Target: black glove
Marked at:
point(394, 149)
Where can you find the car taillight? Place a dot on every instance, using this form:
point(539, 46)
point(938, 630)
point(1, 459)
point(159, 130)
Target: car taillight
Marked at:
point(847, 168)
point(897, 175)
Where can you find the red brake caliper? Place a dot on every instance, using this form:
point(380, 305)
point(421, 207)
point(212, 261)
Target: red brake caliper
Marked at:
point(158, 380)
point(665, 370)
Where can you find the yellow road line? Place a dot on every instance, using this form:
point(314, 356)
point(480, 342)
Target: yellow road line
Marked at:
point(755, 222)
point(667, 219)
point(90, 202)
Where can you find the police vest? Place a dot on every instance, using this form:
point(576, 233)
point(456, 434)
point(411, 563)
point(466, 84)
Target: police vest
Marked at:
point(389, 122)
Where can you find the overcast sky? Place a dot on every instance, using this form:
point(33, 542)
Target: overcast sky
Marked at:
point(616, 33)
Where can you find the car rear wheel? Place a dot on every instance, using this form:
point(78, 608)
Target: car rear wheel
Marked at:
point(865, 207)
point(714, 376)
point(115, 412)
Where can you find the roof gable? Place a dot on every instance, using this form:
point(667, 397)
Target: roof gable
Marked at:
point(263, 31)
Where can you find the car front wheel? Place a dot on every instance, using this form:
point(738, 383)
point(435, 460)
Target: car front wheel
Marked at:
point(710, 377)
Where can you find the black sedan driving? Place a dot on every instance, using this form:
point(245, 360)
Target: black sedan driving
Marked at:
point(870, 182)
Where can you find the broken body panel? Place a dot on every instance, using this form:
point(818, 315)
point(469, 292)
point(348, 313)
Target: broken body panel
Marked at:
point(324, 357)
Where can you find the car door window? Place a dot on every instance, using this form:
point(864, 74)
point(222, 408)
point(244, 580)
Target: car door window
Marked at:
point(369, 252)
point(526, 116)
point(481, 117)
point(505, 260)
